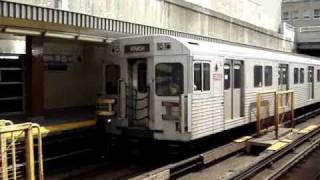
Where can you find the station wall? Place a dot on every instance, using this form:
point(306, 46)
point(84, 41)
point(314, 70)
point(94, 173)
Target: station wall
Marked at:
point(252, 22)
point(79, 84)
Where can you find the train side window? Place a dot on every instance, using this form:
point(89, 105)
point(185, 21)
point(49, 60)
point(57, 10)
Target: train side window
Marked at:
point(197, 77)
point(310, 74)
point(226, 76)
point(296, 75)
point(268, 75)
point(169, 79)
point(257, 76)
point(112, 76)
point(318, 75)
point(301, 75)
point(201, 81)
point(206, 76)
point(237, 76)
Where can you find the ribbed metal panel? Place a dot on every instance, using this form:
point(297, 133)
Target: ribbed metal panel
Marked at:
point(61, 17)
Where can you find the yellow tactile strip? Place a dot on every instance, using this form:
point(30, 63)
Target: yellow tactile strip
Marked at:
point(284, 141)
point(243, 139)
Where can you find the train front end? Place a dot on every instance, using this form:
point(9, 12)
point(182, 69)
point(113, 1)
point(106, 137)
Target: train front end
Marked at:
point(145, 81)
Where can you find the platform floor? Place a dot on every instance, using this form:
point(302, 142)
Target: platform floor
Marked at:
point(61, 120)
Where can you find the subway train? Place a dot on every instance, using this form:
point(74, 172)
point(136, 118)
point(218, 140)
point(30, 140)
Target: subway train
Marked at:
point(176, 89)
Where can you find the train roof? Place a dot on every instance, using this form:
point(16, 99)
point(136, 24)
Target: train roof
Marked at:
point(205, 48)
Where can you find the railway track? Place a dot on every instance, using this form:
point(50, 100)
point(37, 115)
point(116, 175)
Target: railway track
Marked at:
point(217, 155)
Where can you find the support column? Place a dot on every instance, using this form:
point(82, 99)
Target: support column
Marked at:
point(34, 73)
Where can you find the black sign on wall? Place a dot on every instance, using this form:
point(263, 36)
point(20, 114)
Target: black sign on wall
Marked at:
point(134, 48)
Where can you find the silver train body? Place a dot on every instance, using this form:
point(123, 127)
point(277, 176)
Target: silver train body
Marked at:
point(177, 89)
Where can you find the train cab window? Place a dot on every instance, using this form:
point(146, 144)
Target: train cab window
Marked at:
point(226, 76)
point(318, 75)
point(301, 75)
point(268, 75)
point(257, 76)
point(169, 79)
point(296, 75)
point(201, 81)
point(142, 77)
point(112, 76)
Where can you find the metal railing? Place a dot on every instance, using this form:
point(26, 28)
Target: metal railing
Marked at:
point(18, 151)
point(278, 104)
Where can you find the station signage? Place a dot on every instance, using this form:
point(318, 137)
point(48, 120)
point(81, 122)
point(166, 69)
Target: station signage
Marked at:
point(136, 48)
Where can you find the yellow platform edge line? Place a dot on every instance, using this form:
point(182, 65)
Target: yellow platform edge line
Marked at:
point(55, 128)
point(243, 139)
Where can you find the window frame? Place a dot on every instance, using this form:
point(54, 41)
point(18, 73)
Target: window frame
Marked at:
point(302, 78)
point(265, 76)
point(318, 75)
point(285, 16)
point(295, 15)
point(202, 90)
point(296, 77)
point(314, 13)
point(182, 79)
point(254, 76)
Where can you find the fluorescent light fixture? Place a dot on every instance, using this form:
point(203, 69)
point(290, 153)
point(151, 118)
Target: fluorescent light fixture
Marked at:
point(109, 40)
point(22, 31)
point(60, 35)
point(91, 38)
point(9, 57)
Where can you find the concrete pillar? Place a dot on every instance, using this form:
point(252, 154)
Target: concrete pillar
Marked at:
point(34, 82)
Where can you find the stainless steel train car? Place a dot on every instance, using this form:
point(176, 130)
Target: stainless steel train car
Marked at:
point(177, 89)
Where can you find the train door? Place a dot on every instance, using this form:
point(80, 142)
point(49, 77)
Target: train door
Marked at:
point(137, 93)
point(310, 82)
point(233, 89)
point(283, 80)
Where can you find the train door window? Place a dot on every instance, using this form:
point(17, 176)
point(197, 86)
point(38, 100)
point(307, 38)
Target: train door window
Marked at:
point(301, 75)
point(257, 76)
point(112, 76)
point(169, 79)
point(227, 76)
point(201, 77)
point(236, 76)
point(296, 75)
point(197, 82)
point(142, 77)
point(268, 75)
point(310, 74)
point(206, 76)
point(318, 75)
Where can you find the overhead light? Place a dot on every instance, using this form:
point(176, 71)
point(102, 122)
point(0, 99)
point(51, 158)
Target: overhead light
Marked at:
point(9, 57)
point(91, 38)
point(22, 31)
point(60, 35)
point(109, 40)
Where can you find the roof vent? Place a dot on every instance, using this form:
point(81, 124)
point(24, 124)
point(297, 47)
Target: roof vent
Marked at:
point(194, 43)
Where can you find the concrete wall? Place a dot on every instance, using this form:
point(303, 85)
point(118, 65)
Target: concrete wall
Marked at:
point(198, 17)
point(259, 12)
point(79, 84)
point(263, 13)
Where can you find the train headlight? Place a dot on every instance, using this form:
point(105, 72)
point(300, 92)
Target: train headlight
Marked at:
point(109, 121)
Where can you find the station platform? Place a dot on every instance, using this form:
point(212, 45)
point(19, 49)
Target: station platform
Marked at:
point(61, 121)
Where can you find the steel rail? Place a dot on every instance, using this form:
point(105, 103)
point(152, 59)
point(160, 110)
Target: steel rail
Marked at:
point(184, 166)
point(276, 174)
point(271, 157)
